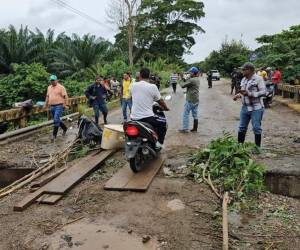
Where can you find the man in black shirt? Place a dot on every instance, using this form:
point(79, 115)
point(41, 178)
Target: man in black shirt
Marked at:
point(96, 95)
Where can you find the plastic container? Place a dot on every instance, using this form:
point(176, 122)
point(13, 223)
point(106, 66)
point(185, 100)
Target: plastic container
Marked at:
point(113, 137)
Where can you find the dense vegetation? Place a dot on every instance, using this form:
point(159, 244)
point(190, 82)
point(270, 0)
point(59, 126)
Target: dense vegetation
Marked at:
point(28, 57)
point(280, 50)
point(231, 55)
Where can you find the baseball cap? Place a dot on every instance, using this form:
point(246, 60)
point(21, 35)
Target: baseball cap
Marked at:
point(194, 70)
point(248, 65)
point(53, 78)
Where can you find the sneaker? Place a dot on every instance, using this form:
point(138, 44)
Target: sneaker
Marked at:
point(52, 139)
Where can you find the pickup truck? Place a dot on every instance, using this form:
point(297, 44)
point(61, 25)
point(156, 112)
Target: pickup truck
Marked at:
point(215, 75)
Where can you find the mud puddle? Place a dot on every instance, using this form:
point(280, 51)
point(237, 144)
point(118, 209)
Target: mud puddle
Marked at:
point(85, 235)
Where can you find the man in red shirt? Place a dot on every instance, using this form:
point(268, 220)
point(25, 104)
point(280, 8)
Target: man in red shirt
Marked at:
point(276, 79)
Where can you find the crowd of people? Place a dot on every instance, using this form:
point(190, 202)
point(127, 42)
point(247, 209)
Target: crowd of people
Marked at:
point(271, 78)
point(138, 94)
point(98, 93)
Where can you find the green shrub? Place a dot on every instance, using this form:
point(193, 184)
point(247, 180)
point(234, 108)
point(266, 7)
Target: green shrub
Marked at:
point(28, 81)
point(230, 166)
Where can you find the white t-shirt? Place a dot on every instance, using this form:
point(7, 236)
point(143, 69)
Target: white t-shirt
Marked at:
point(144, 94)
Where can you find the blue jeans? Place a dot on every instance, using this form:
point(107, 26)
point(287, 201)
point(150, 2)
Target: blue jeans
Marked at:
point(189, 107)
point(255, 117)
point(56, 111)
point(126, 103)
point(97, 107)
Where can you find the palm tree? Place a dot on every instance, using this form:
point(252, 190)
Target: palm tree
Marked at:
point(77, 54)
point(15, 47)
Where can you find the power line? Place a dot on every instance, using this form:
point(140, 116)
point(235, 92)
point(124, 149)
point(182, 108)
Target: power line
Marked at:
point(77, 12)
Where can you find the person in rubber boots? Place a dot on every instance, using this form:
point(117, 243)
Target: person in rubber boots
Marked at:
point(192, 86)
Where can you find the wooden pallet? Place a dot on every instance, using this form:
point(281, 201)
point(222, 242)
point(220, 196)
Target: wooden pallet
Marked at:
point(64, 182)
point(126, 180)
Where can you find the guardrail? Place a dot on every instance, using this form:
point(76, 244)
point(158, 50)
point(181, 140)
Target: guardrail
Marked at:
point(20, 116)
point(290, 91)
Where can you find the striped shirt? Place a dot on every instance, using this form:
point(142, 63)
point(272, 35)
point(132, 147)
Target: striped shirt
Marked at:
point(174, 78)
point(256, 89)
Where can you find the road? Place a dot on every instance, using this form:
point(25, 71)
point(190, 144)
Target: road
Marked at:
point(118, 220)
point(217, 113)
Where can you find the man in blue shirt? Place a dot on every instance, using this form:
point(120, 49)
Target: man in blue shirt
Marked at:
point(96, 95)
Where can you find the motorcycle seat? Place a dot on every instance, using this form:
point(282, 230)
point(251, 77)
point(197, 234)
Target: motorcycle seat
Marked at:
point(147, 125)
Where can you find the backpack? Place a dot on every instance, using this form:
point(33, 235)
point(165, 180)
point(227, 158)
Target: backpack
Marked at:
point(89, 131)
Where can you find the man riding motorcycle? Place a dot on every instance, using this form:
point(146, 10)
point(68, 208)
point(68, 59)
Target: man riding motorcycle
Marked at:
point(144, 94)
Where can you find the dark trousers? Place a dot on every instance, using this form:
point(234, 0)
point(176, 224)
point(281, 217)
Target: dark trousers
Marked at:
point(210, 83)
point(159, 124)
point(100, 107)
point(174, 86)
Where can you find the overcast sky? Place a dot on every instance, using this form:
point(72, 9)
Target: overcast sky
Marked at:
point(224, 18)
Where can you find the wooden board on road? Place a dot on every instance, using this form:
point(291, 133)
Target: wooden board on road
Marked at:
point(49, 199)
point(126, 180)
point(73, 175)
point(67, 179)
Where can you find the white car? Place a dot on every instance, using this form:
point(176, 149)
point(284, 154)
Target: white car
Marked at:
point(215, 75)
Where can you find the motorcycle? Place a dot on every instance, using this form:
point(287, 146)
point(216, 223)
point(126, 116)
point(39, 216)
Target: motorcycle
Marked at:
point(268, 98)
point(141, 140)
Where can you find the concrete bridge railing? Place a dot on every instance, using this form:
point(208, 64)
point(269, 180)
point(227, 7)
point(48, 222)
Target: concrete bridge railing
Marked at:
point(20, 116)
point(290, 91)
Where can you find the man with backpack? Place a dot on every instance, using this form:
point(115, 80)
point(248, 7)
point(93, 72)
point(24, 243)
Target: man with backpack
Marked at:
point(96, 94)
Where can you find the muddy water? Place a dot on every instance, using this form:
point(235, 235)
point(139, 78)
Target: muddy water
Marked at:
point(9, 175)
point(98, 235)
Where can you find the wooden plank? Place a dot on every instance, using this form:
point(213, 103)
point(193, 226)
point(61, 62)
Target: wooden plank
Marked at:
point(73, 175)
point(44, 181)
point(49, 199)
point(126, 180)
point(67, 179)
point(28, 200)
point(141, 181)
point(120, 179)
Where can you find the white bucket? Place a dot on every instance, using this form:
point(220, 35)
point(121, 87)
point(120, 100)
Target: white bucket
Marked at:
point(113, 137)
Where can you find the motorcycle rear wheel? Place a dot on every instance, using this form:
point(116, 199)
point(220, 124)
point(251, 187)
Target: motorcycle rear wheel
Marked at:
point(136, 163)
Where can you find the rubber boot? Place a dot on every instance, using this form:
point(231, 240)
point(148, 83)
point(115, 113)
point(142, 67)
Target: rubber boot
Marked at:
point(195, 128)
point(241, 137)
point(64, 128)
point(258, 140)
point(105, 118)
point(54, 135)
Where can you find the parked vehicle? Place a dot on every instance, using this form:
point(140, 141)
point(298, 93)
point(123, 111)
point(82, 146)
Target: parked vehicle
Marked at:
point(215, 74)
point(268, 98)
point(140, 142)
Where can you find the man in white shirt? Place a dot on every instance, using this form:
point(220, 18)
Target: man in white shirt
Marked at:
point(144, 94)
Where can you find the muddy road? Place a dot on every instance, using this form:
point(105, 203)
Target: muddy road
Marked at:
point(175, 213)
